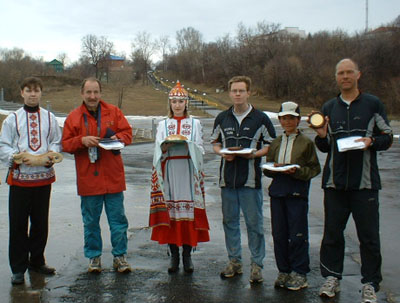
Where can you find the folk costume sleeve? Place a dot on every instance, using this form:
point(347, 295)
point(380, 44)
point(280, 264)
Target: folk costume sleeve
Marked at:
point(8, 138)
point(55, 135)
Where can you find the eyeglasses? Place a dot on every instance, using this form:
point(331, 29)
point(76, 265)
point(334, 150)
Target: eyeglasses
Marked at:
point(238, 91)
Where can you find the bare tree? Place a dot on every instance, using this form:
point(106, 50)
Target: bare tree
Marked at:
point(96, 49)
point(62, 57)
point(81, 69)
point(143, 48)
point(396, 21)
point(15, 65)
point(163, 44)
point(190, 47)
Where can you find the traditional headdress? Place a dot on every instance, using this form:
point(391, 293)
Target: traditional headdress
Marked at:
point(178, 92)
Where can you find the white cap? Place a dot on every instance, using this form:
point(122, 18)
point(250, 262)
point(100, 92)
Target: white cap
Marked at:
point(289, 108)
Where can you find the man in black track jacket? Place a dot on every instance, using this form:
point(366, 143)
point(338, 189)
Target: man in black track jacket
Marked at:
point(242, 126)
point(351, 179)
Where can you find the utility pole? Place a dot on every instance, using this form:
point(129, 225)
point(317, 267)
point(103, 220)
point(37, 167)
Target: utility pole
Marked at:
point(366, 16)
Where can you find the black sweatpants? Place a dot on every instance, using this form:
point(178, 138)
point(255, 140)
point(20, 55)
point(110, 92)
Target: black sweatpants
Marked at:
point(289, 220)
point(28, 206)
point(364, 207)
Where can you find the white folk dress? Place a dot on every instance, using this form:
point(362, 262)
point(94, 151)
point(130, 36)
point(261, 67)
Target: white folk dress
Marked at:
point(177, 212)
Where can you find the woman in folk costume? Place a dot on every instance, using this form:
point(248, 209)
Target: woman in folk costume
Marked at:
point(177, 213)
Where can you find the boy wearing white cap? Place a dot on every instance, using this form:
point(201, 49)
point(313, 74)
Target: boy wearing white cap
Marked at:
point(289, 198)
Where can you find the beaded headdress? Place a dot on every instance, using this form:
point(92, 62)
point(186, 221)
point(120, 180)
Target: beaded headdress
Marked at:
point(178, 92)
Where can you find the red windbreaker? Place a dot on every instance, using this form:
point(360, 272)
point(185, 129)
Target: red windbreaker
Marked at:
point(106, 175)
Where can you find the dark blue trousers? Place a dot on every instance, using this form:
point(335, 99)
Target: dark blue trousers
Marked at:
point(289, 220)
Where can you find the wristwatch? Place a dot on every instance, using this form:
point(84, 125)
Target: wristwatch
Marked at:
point(372, 141)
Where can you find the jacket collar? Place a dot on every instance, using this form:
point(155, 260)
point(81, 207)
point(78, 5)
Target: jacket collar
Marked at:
point(230, 110)
point(102, 103)
point(356, 99)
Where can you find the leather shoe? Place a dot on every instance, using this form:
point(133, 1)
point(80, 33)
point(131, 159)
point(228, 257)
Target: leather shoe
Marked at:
point(18, 278)
point(43, 269)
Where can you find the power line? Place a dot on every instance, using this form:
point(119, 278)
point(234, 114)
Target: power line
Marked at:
point(366, 15)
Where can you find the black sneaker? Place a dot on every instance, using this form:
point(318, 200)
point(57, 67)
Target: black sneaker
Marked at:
point(18, 278)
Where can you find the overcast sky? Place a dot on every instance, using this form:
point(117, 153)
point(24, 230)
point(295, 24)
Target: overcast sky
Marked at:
point(45, 28)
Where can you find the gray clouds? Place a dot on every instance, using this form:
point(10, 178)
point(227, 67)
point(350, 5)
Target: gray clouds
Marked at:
point(46, 28)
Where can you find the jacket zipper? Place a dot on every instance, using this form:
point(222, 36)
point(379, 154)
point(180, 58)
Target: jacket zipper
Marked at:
point(284, 155)
point(237, 143)
point(347, 155)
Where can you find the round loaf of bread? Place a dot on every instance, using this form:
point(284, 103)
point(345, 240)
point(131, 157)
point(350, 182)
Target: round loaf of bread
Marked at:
point(233, 148)
point(176, 138)
point(316, 120)
point(38, 160)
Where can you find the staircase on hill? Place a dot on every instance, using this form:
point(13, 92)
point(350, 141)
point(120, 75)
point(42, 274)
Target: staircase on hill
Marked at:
point(198, 100)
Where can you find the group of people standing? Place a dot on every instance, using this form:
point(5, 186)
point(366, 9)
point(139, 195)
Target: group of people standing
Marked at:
point(242, 136)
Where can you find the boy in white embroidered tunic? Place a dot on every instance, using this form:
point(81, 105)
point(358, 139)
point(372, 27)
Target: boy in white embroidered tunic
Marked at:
point(34, 130)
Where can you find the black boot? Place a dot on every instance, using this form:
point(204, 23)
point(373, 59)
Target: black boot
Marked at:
point(174, 265)
point(187, 259)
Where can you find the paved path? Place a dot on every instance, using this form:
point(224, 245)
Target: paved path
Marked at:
point(150, 281)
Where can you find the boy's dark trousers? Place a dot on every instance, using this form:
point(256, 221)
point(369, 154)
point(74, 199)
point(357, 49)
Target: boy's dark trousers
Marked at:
point(28, 206)
point(289, 220)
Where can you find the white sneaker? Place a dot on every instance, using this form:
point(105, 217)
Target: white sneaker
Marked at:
point(330, 287)
point(296, 281)
point(234, 268)
point(255, 274)
point(121, 265)
point(368, 294)
point(95, 265)
point(281, 280)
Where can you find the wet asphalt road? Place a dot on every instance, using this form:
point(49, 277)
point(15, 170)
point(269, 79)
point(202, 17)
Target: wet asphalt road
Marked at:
point(150, 282)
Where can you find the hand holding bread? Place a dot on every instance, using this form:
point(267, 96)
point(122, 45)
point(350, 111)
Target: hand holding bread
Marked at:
point(38, 160)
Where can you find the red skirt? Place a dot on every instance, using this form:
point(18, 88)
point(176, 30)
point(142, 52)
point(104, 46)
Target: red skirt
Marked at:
point(179, 233)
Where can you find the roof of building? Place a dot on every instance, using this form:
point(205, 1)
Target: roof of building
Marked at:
point(54, 62)
point(384, 29)
point(117, 58)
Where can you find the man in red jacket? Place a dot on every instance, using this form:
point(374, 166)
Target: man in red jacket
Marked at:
point(100, 172)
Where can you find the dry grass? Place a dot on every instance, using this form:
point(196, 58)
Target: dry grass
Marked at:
point(137, 99)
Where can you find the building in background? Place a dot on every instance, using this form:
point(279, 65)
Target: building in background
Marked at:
point(113, 67)
point(293, 31)
point(56, 65)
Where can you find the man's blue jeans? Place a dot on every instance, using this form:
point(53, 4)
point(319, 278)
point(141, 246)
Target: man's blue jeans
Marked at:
point(92, 207)
point(250, 201)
